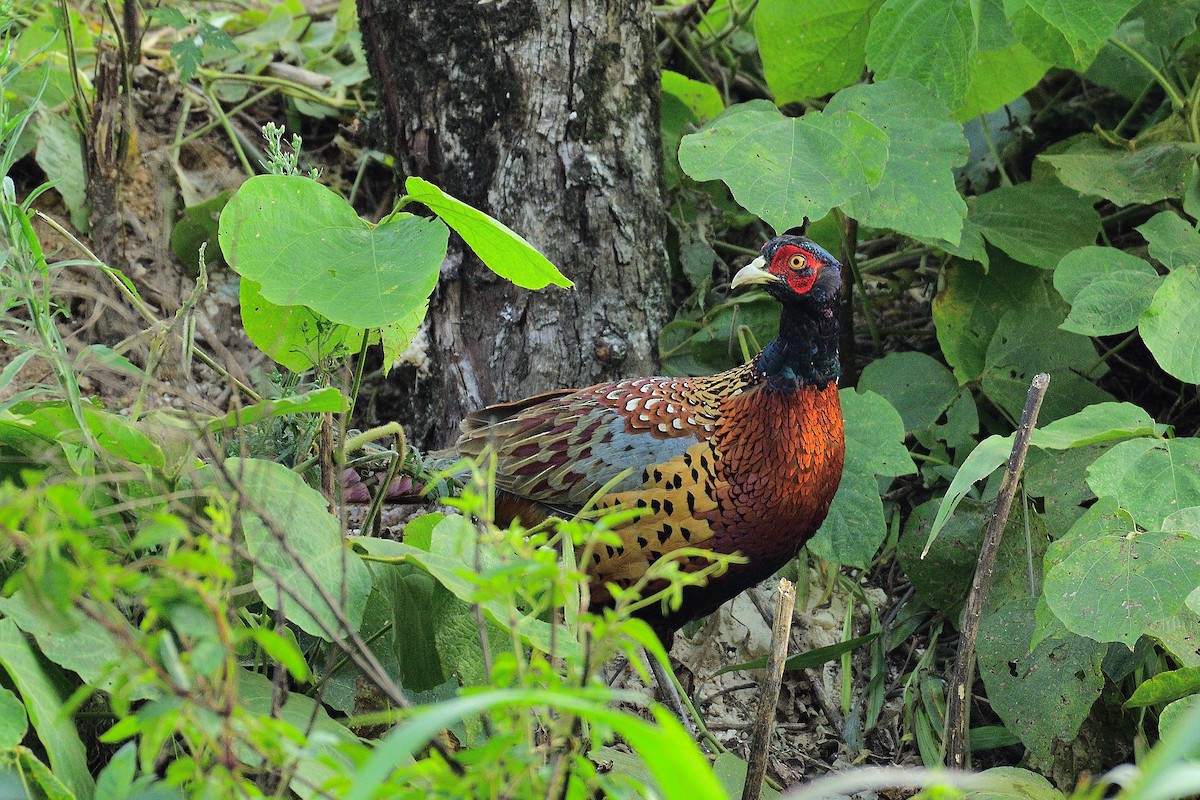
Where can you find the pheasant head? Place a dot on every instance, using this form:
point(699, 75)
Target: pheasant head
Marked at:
point(794, 270)
point(807, 281)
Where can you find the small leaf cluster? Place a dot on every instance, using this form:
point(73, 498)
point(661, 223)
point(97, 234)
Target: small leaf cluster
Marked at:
point(318, 280)
point(175, 623)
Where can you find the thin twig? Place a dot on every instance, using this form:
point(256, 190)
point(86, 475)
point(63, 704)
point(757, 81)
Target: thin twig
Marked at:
point(958, 704)
point(850, 280)
point(760, 743)
point(995, 152)
point(668, 692)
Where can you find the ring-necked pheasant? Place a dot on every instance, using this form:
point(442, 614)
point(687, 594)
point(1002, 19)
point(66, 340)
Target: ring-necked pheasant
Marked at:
point(745, 461)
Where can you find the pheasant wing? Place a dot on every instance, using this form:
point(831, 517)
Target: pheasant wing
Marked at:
point(560, 448)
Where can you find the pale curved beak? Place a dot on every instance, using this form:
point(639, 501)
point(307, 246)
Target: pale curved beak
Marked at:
point(752, 273)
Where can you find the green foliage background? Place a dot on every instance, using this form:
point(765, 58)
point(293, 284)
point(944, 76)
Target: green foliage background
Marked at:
point(1026, 169)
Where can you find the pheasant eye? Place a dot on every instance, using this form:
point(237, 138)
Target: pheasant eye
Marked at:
point(797, 262)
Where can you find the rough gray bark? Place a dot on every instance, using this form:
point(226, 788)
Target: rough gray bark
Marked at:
point(544, 113)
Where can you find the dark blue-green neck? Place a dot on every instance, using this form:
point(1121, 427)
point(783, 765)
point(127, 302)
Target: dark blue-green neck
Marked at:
point(806, 350)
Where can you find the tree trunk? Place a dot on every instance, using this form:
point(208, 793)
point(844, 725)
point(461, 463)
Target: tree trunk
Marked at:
point(543, 113)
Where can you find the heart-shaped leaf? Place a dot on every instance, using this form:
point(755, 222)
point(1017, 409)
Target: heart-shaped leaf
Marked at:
point(786, 169)
point(304, 245)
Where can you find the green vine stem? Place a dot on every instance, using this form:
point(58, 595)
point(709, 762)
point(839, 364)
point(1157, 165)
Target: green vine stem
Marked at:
point(215, 106)
point(1194, 110)
point(291, 88)
point(991, 145)
point(357, 441)
point(1177, 101)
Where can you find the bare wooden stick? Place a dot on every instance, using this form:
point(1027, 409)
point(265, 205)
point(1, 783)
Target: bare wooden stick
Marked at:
point(814, 675)
point(958, 705)
point(760, 743)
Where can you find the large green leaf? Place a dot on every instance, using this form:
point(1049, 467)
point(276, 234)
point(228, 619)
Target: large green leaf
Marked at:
point(930, 41)
point(810, 48)
point(322, 756)
point(24, 777)
point(1043, 39)
point(1114, 587)
point(60, 156)
point(1170, 327)
point(304, 245)
point(999, 77)
point(450, 566)
point(1168, 21)
point(943, 575)
point(1103, 518)
point(1001, 327)
point(855, 526)
point(299, 538)
point(13, 720)
point(1150, 478)
point(1030, 341)
point(86, 647)
point(1179, 635)
point(686, 104)
point(917, 194)
point(1060, 480)
point(459, 649)
point(1173, 241)
point(1151, 173)
point(1002, 69)
point(398, 336)
point(785, 169)
point(676, 119)
point(342, 686)
point(44, 691)
point(919, 387)
point(197, 226)
point(1042, 695)
point(968, 309)
point(1108, 290)
point(329, 399)
point(55, 422)
point(1117, 69)
point(701, 99)
point(731, 771)
point(294, 336)
point(1036, 222)
point(1165, 687)
point(1102, 422)
point(413, 600)
point(1175, 714)
point(970, 247)
point(1013, 783)
point(1085, 24)
point(503, 250)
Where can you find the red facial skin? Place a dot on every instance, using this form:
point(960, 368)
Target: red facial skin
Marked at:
point(796, 266)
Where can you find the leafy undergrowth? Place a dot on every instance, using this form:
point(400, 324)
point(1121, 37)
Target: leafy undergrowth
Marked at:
point(1015, 190)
